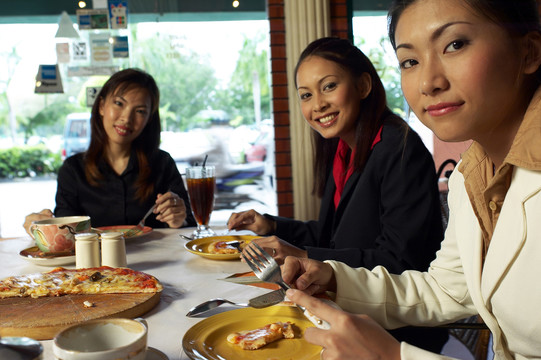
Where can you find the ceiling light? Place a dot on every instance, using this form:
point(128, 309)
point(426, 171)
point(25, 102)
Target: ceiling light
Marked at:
point(236, 3)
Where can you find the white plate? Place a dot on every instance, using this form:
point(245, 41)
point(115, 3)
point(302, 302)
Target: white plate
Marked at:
point(52, 261)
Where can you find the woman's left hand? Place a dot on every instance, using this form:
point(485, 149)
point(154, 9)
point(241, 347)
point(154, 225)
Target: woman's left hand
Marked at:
point(351, 336)
point(170, 209)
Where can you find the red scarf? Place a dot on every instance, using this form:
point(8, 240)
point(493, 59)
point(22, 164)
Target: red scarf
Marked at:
point(340, 174)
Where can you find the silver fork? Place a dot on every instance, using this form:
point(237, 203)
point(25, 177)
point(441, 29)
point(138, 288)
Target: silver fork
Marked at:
point(140, 226)
point(266, 269)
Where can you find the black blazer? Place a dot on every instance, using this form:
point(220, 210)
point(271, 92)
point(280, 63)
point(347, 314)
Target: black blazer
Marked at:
point(388, 215)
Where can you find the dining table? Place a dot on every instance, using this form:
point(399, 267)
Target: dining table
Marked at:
point(188, 280)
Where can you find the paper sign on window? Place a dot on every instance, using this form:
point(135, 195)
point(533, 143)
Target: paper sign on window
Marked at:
point(100, 49)
point(48, 80)
point(92, 19)
point(62, 53)
point(91, 95)
point(79, 50)
point(120, 47)
point(118, 14)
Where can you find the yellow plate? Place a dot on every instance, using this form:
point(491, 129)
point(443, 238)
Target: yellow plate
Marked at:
point(200, 246)
point(207, 340)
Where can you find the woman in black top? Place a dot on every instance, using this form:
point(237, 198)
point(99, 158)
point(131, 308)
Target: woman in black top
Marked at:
point(123, 172)
point(376, 179)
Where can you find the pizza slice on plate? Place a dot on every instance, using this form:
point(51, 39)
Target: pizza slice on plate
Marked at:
point(257, 338)
point(226, 247)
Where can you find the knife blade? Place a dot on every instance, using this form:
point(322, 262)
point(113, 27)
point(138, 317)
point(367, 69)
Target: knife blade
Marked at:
point(262, 301)
point(268, 299)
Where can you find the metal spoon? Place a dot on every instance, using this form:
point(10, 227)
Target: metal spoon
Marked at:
point(21, 348)
point(259, 302)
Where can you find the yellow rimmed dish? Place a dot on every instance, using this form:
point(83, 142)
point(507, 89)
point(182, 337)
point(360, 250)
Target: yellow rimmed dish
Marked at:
point(207, 340)
point(200, 246)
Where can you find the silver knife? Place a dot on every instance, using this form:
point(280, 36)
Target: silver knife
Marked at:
point(262, 301)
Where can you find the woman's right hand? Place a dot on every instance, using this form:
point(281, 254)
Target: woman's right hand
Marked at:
point(310, 276)
point(251, 220)
point(42, 215)
point(351, 336)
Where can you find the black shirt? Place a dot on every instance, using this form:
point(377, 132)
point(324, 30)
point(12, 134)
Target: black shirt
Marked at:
point(113, 201)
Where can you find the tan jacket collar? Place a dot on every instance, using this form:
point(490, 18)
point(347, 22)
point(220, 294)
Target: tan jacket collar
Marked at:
point(526, 148)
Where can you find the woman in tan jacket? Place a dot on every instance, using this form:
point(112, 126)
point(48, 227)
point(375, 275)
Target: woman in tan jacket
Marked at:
point(470, 70)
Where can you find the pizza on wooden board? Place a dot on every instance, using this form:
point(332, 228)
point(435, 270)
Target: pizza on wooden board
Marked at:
point(61, 281)
point(257, 338)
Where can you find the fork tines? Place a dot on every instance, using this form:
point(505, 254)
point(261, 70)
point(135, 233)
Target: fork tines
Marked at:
point(256, 262)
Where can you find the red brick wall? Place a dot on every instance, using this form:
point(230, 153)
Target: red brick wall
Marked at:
point(341, 27)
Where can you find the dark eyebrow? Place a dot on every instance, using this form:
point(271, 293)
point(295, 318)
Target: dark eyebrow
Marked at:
point(435, 35)
point(137, 106)
point(319, 81)
point(118, 96)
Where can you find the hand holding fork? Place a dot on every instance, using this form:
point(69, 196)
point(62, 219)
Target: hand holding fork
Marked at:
point(266, 269)
point(140, 226)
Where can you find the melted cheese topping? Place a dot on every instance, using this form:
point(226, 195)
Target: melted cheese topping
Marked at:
point(257, 338)
point(221, 247)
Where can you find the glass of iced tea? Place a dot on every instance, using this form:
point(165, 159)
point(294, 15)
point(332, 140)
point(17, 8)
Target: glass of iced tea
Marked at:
point(201, 181)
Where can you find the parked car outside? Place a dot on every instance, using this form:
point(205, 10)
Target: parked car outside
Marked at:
point(76, 134)
point(259, 149)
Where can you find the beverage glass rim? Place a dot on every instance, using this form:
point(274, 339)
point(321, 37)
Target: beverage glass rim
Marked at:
point(200, 167)
point(200, 172)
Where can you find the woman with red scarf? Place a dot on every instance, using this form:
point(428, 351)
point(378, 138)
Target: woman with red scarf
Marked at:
point(376, 179)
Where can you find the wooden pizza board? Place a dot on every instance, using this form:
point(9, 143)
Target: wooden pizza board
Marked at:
point(43, 318)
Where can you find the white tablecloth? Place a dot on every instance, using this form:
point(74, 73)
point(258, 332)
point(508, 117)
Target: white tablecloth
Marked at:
point(188, 280)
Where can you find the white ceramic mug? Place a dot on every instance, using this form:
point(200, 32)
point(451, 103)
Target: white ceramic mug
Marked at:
point(103, 339)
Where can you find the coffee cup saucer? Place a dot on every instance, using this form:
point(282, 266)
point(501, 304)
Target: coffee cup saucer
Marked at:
point(33, 255)
point(155, 354)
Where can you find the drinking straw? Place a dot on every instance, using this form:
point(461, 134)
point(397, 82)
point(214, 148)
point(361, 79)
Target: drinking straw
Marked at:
point(204, 170)
point(204, 161)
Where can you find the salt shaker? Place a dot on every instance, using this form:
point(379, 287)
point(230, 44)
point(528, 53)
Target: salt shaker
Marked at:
point(87, 250)
point(113, 249)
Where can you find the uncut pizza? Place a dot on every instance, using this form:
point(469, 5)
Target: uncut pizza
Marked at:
point(61, 281)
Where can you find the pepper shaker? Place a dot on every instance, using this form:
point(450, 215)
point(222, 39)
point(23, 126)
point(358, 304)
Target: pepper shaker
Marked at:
point(87, 250)
point(113, 249)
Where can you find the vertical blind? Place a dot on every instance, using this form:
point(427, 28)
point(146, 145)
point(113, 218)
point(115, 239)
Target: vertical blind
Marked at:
point(305, 21)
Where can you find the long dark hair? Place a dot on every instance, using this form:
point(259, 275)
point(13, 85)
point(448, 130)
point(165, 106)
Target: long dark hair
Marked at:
point(145, 145)
point(373, 108)
point(518, 17)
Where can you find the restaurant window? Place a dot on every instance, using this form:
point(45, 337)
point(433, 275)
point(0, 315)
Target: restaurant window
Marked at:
point(208, 72)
